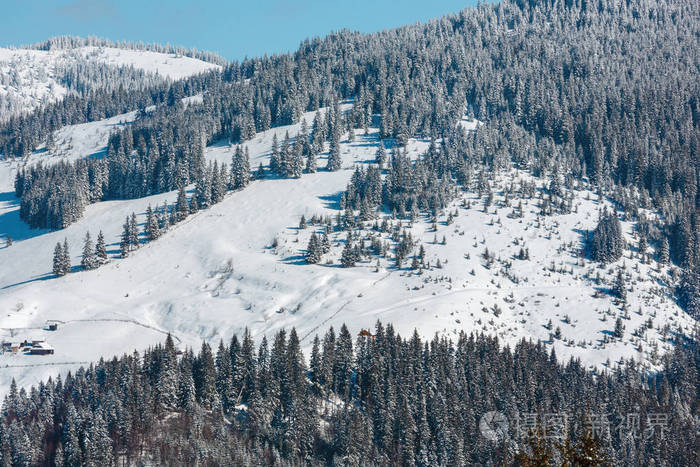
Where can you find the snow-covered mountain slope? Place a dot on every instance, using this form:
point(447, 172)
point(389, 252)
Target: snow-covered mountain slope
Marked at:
point(218, 271)
point(70, 143)
point(28, 78)
point(171, 66)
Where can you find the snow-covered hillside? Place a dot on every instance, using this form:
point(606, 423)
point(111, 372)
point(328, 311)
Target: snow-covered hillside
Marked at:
point(28, 78)
point(218, 271)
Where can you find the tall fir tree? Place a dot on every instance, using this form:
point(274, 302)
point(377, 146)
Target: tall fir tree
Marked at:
point(65, 257)
point(89, 259)
point(334, 160)
point(133, 236)
point(347, 258)
point(124, 244)
point(240, 169)
point(313, 250)
point(181, 208)
point(58, 260)
point(607, 242)
point(100, 248)
point(275, 160)
point(151, 227)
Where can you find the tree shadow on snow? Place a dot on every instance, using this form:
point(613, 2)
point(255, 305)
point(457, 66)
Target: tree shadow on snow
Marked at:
point(10, 222)
point(331, 201)
point(295, 260)
point(40, 277)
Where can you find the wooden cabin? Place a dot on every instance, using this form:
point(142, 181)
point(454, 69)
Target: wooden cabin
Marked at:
point(41, 348)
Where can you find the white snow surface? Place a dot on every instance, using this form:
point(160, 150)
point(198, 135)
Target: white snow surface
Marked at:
point(28, 77)
point(172, 66)
point(216, 273)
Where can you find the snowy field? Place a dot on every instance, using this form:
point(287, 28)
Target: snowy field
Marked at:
point(28, 77)
point(217, 272)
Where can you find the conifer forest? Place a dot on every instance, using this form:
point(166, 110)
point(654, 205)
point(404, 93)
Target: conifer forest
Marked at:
point(473, 240)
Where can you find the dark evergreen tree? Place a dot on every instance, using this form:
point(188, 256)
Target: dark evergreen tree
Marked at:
point(65, 258)
point(100, 249)
point(380, 156)
point(348, 257)
point(133, 232)
point(58, 268)
point(335, 162)
point(620, 287)
point(619, 328)
point(152, 229)
point(181, 208)
point(124, 244)
point(240, 169)
point(663, 253)
point(607, 242)
point(314, 250)
point(689, 293)
point(89, 259)
point(275, 158)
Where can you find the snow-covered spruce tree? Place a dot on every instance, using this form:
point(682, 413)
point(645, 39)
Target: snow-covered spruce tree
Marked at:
point(194, 204)
point(224, 378)
point(663, 254)
point(58, 260)
point(204, 372)
point(285, 156)
point(133, 232)
point(296, 159)
point(325, 243)
point(334, 160)
point(89, 259)
point(100, 249)
point(65, 257)
point(182, 208)
point(313, 250)
point(173, 214)
point(151, 228)
point(607, 242)
point(203, 189)
point(219, 182)
point(619, 331)
point(163, 218)
point(347, 257)
point(620, 287)
point(310, 154)
point(688, 291)
point(380, 155)
point(318, 136)
point(275, 160)
point(240, 169)
point(124, 244)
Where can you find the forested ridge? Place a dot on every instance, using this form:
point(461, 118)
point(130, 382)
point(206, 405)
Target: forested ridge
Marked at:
point(71, 68)
point(599, 93)
point(72, 42)
point(378, 399)
point(604, 90)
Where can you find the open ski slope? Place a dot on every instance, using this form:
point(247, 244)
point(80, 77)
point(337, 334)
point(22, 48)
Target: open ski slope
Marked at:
point(217, 272)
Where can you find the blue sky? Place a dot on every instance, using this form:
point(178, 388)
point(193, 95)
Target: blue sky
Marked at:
point(232, 28)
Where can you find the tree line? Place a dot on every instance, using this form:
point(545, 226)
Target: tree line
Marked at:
point(376, 399)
